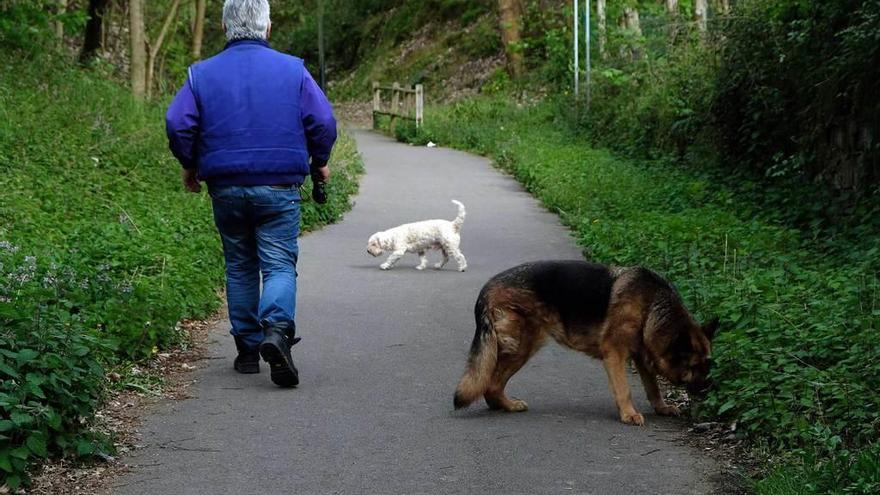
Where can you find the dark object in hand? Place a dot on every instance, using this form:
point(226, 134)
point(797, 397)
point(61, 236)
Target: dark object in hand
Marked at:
point(318, 192)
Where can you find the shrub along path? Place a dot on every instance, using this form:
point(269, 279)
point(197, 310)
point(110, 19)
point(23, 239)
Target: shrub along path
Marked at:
point(381, 355)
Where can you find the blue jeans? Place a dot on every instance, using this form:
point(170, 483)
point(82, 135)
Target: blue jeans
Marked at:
point(259, 226)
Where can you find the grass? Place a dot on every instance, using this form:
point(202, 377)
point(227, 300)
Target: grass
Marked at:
point(101, 250)
point(797, 362)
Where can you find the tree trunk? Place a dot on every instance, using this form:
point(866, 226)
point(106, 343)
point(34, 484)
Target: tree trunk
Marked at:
point(672, 13)
point(198, 29)
point(137, 63)
point(603, 36)
point(92, 34)
point(724, 6)
point(59, 26)
point(154, 50)
point(511, 22)
point(629, 21)
point(632, 21)
point(700, 14)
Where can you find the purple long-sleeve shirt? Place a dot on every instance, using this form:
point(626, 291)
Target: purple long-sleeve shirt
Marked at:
point(182, 123)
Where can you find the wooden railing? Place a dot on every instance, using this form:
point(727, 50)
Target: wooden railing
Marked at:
point(398, 101)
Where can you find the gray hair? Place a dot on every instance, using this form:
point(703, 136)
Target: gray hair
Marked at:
point(246, 19)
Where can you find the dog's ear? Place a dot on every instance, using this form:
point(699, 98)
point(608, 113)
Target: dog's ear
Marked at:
point(710, 328)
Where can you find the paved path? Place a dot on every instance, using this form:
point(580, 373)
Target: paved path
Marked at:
point(380, 357)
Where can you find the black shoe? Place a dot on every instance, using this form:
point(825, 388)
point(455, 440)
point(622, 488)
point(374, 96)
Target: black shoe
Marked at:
point(275, 349)
point(248, 359)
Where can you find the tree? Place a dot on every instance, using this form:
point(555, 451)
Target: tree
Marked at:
point(603, 36)
point(92, 34)
point(137, 68)
point(672, 12)
point(700, 11)
point(511, 26)
point(157, 46)
point(59, 26)
point(629, 22)
point(198, 29)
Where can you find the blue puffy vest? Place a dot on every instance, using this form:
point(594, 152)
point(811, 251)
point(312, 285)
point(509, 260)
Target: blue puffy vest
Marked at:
point(251, 130)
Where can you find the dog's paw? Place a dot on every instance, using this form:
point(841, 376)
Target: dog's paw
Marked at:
point(438, 266)
point(632, 418)
point(420, 267)
point(462, 268)
point(505, 404)
point(384, 266)
point(667, 410)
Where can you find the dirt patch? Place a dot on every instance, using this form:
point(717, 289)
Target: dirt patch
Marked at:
point(173, 370)
point(471, 76)
point(354, 114)
point(721, 442)
point(716, 440)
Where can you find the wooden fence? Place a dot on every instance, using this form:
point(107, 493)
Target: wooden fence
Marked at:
point(398, 101)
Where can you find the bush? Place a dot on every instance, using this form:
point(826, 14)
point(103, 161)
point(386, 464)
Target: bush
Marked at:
point(835, 470)
point(51, 362)
point(783, 89)
point(24, 24)
point(796, 90)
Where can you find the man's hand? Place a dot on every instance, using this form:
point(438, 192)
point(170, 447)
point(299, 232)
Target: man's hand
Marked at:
point(190, 180)
point(322, 174)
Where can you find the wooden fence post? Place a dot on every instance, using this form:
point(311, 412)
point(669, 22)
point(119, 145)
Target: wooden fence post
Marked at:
point(420, 105)
point(395, 103)
point(377, 104)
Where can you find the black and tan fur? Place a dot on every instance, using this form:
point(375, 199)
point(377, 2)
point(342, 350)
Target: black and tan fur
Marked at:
point(611, 313)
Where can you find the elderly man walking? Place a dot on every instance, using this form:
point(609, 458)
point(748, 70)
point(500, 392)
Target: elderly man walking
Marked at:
point(252, 123)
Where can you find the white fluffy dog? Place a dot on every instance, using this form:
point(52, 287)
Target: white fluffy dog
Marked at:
point(420, 237)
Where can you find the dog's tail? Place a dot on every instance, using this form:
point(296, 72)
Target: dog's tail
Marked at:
point(482, 360)
point(459, 220)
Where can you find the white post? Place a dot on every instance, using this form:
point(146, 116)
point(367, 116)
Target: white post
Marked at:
point(420, 105)
point(576, 61)
point(395, 103)
point(587, 43)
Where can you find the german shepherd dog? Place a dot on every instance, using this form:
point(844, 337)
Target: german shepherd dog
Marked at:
point(611, 313)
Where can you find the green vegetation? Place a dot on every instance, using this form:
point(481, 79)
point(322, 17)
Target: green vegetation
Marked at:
point(101, 250)
point(797, 363)
point(782, 88)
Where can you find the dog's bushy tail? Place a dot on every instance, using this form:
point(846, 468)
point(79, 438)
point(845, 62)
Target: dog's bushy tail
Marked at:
point(459, 220)
point(482, 359)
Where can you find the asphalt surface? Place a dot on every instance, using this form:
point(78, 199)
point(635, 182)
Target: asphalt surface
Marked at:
point(382, 352)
